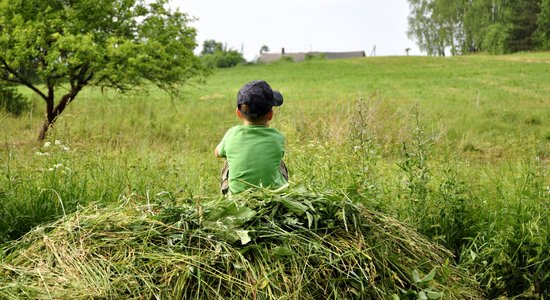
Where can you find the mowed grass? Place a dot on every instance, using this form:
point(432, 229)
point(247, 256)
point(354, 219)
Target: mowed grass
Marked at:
point(457, 147)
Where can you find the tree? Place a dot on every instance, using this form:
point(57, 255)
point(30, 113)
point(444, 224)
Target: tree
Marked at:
point(523, 24)
point(542, 35)
point(450, 15)
point(211, 47)
point(216, 55)
point(58, 47)
point(426, 27)
point(465, 26)
point(487, 25)
point(264, 49)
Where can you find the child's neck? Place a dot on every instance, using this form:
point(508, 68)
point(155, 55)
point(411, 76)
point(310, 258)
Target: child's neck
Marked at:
point(259, 123)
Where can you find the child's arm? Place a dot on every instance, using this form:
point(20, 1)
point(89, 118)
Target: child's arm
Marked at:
point(217, 151)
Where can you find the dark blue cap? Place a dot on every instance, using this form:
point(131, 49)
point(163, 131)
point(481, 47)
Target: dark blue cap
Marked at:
point(259, 98)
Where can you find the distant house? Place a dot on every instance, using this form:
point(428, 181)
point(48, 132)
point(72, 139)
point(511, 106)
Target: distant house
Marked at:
point(299, 56)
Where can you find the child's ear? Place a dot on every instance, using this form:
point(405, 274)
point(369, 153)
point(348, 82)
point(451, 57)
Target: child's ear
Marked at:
point(270, 115)
point(239, 113)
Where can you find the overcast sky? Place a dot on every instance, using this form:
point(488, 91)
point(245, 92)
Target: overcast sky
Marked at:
point(303, 25)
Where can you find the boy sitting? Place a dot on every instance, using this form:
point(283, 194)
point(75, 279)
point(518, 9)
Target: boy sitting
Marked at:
point(253, 151)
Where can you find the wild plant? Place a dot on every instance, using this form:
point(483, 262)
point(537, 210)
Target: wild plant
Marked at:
point(35, 195)
point(415, 177)
point(454, 210)
point(364, 146)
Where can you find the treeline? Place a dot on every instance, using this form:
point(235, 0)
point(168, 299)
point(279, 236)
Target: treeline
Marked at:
point(468, 26)
point(216, 55)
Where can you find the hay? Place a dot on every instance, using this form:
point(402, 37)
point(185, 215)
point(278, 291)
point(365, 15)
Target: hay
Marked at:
point(293, 245)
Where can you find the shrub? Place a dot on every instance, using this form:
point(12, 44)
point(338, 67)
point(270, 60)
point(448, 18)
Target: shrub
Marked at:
point(286, 58)
point(12, 101)
point(223, 59)
point(315, 56)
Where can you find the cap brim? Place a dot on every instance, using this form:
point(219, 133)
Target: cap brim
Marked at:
point(277, 98)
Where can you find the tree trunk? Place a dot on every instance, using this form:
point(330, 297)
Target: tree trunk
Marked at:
point(53, 112)
point(50, 119)
point(49, 98)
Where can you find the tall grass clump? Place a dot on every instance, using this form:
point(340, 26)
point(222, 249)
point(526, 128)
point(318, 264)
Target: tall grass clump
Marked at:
point(53, 179)
point(292, 245)
point(510, 255)
point(351, 160)
point(434, 198)
point(498, 230)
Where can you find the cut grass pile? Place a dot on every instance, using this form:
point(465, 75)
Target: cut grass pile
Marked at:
point(292, 245)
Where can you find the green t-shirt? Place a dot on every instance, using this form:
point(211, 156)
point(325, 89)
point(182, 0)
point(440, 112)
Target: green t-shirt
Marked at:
point(254, 154)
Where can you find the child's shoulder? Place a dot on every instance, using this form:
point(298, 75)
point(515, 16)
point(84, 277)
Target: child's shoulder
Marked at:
point(234, 129)
point(252, 128)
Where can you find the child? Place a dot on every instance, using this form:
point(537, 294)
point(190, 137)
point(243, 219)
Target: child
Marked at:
point(253, 151)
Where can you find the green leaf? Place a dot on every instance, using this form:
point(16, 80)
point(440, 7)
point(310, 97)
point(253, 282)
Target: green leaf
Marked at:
point(294, 206)
point(434, 295)
point(430, 275)
point(245, 214)
point(282, 251)
point(243, 235)
point(473, 255)
point(416, 276)
point(309, 219)
point(291, 221)
point(263, 283)
point(422, 296)
point(231, 214)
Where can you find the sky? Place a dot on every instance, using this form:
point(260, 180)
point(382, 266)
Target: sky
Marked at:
point(302, 25)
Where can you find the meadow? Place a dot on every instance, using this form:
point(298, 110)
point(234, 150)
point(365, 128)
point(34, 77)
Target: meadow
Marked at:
point(457, 148)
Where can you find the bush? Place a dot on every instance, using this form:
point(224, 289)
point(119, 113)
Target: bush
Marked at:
point(315, 56)
point(12, 101)
point(286, 58)
point(223, 59)
point(496, 39)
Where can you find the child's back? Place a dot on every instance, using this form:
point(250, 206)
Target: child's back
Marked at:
point(254, 154)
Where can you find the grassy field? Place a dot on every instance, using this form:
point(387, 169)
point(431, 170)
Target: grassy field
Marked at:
point(458, 148)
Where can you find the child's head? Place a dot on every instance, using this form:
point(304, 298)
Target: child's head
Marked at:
point(256, 99)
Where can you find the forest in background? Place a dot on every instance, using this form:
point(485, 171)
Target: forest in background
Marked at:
point(457, 27)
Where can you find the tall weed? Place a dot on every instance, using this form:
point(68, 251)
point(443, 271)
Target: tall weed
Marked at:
point(415, 173)
point(365, 152)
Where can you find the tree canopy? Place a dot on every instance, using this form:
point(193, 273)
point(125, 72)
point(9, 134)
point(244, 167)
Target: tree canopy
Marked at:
point(494, 26)
point(215, 55)
point(264, 49)
point(211, 47)
point(122, 44)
